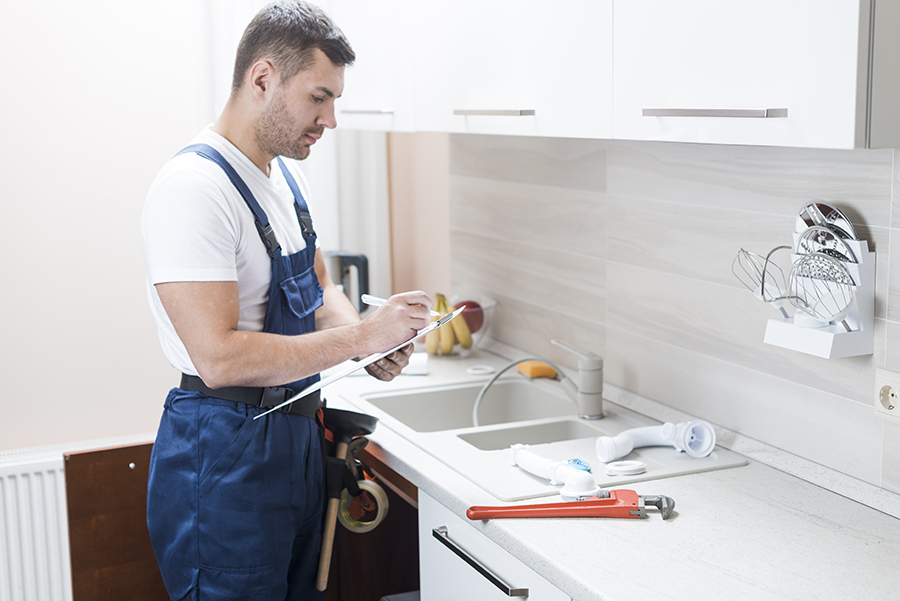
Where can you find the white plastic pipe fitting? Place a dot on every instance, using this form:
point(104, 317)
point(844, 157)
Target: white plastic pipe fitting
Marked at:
point(577, 483)
point(696, 438)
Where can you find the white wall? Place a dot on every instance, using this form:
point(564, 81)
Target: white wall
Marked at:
point(95, 97)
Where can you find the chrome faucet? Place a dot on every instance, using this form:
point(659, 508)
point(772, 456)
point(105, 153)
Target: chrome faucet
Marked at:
point(588, 392)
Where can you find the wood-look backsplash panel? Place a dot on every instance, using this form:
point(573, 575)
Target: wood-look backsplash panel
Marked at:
point(649, 231)
point(755, 179)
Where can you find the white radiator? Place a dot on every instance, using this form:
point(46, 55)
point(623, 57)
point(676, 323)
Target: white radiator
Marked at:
point(34, 532)
point(34, 526)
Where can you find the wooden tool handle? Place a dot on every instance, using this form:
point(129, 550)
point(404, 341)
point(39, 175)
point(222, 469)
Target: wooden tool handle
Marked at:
point(328, 533)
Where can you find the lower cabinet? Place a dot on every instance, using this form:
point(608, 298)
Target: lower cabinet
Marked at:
point(457, 562)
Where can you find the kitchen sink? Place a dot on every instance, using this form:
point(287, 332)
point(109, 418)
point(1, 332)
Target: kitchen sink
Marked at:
point(515, 410)
point(450, 407)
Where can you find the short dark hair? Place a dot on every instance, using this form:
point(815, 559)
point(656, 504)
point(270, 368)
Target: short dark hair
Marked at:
point(287, 32)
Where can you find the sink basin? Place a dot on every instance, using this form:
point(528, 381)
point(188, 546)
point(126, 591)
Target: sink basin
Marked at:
point(450, 407)
point(545, 433)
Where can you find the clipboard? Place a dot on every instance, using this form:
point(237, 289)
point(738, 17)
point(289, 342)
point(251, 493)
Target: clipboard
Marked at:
point(354, 367)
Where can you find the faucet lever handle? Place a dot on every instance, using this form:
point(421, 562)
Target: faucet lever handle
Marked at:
point(586, 359)
point(589, 392)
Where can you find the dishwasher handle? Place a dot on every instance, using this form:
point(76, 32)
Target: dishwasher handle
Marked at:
point(440, 533)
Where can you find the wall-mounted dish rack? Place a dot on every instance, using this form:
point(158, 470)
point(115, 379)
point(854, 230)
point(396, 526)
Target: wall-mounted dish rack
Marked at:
point(831, 287)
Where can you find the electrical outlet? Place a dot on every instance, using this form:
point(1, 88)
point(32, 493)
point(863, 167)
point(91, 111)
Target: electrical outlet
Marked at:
point(887, 395)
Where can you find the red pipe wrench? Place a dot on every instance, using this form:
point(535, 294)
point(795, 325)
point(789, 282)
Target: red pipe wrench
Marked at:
point(609, 504)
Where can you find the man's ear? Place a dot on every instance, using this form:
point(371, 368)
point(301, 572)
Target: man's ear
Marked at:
point(260, 77)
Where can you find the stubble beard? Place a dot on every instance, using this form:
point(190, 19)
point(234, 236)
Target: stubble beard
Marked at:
point(273, 133)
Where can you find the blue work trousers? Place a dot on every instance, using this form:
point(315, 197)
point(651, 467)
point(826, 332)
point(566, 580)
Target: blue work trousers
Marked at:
point(235, 505)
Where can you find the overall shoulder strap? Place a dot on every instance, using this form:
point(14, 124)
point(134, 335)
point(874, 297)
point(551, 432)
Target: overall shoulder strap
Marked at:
point(300, 206)
point(262, 220)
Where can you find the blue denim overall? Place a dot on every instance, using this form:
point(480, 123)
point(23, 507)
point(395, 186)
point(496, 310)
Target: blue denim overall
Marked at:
point(234, 505)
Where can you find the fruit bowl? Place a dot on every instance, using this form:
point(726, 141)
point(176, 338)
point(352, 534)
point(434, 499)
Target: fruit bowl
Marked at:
point(459, 338)
point(478, 314)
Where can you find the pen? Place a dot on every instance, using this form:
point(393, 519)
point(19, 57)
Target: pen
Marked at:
point(374, 301)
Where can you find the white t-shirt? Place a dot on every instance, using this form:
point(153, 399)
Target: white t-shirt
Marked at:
point(196, 227)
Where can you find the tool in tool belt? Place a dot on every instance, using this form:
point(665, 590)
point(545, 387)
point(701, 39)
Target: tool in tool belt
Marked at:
point(345, 426)
point(621, 503)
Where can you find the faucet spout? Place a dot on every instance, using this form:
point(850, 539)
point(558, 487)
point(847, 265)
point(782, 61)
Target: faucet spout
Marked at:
point(588, 393)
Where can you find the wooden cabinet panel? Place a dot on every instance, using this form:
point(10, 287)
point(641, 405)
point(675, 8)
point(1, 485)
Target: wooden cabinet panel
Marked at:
point(112, 557)
point(106, 494)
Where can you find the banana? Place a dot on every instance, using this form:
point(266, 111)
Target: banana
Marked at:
point(448, 340)
point(433, 338)
point(460, 329)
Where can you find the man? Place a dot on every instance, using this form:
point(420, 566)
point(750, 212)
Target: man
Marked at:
point(247, 312)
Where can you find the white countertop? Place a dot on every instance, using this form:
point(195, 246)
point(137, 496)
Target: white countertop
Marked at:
point(751, 532)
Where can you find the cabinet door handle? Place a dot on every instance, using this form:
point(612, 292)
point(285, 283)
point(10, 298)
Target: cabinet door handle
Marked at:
point(752, 113)
point(366, 112)
point(495, 112)
point(440, 533)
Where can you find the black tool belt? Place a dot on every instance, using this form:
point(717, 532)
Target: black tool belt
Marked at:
point(266, 397)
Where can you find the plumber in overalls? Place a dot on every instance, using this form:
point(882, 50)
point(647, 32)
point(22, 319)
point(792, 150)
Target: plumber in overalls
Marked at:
point(246, 311)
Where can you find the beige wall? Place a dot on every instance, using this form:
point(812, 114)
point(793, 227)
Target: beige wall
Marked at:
point(95, 97)
point(626, 249)
point(419, 191)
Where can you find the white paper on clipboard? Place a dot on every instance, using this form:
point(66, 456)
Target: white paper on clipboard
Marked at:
point(354, 367)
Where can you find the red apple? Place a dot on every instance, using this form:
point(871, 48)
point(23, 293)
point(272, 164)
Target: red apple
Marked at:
point(473, 314)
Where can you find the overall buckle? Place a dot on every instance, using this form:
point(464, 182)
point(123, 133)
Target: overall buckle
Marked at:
point(268, 238)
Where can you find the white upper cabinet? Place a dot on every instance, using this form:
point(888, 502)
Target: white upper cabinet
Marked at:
point(767, 72)
point(379, 89)
point(513, 67)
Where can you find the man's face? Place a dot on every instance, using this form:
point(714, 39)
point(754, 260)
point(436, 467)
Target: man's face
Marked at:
point(300, 110)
